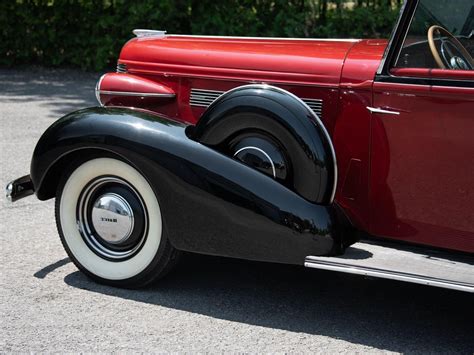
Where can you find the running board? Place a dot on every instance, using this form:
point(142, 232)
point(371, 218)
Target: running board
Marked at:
point(402, 263)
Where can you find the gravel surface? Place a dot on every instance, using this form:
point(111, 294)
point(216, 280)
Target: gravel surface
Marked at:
point(208, 304)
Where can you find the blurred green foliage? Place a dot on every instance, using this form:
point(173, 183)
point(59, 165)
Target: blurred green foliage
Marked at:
point(89, 33)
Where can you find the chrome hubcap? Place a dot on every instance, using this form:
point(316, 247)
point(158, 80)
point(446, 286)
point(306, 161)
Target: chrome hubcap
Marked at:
point(112, 218)
point(255, 156)
point(260, 153)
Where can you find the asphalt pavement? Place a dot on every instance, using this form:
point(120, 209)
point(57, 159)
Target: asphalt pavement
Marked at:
point(207, 304)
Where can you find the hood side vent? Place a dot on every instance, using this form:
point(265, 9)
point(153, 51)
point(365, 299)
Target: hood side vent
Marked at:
point(316, 105)
point(204, 98)
point(122, 68)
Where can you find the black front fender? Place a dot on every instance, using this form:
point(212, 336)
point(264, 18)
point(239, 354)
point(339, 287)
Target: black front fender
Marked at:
point(209, 203)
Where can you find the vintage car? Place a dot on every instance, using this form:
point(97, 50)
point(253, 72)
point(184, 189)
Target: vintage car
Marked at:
point(348, 155)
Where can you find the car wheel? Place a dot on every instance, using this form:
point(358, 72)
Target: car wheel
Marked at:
point(110, 224)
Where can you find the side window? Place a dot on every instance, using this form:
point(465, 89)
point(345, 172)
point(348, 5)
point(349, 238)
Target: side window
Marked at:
point(441, 36)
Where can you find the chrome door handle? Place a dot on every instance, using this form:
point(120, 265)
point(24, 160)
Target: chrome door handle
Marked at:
point(382, 111)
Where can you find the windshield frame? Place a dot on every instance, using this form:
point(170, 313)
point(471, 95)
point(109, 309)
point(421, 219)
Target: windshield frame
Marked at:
point(393, 50)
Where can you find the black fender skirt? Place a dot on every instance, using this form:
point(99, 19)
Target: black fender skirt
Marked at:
point(210, 203)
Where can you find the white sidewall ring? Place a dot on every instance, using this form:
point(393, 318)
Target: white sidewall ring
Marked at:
point(110, 270)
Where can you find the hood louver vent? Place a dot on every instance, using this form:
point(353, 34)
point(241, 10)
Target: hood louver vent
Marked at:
point(121, 68)
point(316, 105)
point(204, 98)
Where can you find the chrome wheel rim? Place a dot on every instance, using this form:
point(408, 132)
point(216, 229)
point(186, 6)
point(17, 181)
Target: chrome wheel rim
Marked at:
point(257, 152)
point(112, 218)
point(261, 153)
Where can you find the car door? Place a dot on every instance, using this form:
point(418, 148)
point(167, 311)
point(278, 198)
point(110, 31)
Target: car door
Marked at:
point(422, 147)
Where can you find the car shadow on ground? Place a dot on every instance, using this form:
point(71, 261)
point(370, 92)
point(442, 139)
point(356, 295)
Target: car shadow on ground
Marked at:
point(60, 90)
point(378, 313)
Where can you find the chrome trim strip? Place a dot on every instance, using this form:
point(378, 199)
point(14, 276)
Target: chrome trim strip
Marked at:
point(382, 111)
point(270, 38)
point(97, 90)
point(316, 101)
point(315, 116)
point(200, 104)
point(200, 96)
point(208, 91)
point(386, 274)
point(264, 153)
point(142, 94)
point(203, 99)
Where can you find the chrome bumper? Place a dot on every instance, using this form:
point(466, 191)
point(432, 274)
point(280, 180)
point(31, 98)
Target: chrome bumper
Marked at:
point(19, 188)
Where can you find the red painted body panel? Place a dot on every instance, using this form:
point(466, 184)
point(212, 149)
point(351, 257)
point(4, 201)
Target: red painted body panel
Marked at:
point(389, 168)
point(411, 72)
point(133, 84)
point(286, 61)
point(433, 73)
point(113, 89)
point(423, 165)
point(453, 74)
point(351, 136)
point(309, 69)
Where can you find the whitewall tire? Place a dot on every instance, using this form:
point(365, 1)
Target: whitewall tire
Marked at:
point(110, 223)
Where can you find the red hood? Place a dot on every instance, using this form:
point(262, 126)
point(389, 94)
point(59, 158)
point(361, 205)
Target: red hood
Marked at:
point(271, 60)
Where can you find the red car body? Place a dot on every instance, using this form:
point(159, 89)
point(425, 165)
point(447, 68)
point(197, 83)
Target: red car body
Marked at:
point(406, 177)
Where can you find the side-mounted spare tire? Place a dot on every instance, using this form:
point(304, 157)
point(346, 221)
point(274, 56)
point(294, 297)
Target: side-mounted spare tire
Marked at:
point(275, 132)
